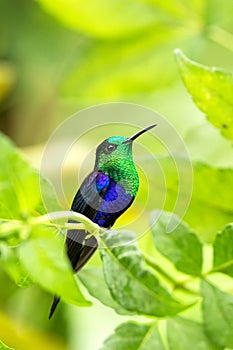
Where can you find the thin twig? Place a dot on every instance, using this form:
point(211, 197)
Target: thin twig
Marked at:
point(89, 225)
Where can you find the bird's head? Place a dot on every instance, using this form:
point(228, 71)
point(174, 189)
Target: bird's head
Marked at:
point(116, 149)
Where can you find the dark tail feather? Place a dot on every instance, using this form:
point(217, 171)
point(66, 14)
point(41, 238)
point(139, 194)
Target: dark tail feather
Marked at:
point(54, 305)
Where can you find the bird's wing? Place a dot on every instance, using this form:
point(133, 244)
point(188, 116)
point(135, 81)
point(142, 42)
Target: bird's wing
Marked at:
point(87, 202)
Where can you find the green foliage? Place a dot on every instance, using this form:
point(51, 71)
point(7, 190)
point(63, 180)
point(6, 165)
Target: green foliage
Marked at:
point(131, 284)
point(40, 258)
point(89, 14)
point(92, 51)
point(134, 336)
point(216, 200)
point(223, 251)
point(21, 195)
point(38, 60)
point(181, 246)
point(218, 316)
point(122, 58)
point(4, 347)
point(212, 91)
point(43, 258)
point(31, 251)
point(182, 332)
point(126, 69)
point(123, 268)
point(93, 279)
point(13, 266)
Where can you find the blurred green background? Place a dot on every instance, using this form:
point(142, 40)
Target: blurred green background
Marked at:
point(57, 57)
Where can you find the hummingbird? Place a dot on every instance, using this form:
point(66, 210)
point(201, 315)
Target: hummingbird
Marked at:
point(105, 194)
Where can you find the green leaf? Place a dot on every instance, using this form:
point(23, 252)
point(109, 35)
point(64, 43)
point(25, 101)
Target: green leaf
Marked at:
point(129, 67)
point(10, 262)
point(131, 284)
point(211, 90)
point(122, 57)
point(218, 315)
point(97, 18)
point(93, 280)
point(48, 198)
point(134, 336)
point(43, 257)
point(4, 347)
point(210, 207)
point(116, 18)
point(21, 187)
point(181, 246)
point(182, 332)
point(223, 251)
point(126, 57)
point(11, 231)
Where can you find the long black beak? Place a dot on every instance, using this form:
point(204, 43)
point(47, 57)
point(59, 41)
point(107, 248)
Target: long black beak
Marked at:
point(139, 133)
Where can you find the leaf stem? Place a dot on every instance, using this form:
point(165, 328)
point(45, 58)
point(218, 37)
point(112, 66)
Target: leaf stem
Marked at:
point(221, 37)
point(152, 263)
point(10, 228)
point(176, 284)
point(218, 268)
point(81, 222)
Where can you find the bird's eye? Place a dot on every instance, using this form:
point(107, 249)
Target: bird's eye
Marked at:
point(110, 148)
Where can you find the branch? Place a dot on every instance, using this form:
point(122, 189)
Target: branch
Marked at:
point(69, 215)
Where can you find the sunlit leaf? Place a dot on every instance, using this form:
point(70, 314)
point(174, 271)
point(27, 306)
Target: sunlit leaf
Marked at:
point(43, 258)
point(93, 280)
point(134, 336)
point(181, 246)
point(212, 91)
point(131, 284)
point(4, 347)
point(48, 198)
point(128, 68)
point(11, 232)
point(210, 207)
point(218, 315)
point(10, 262)
point(223, 251)
point(21, 187)
point(89, 16)
point(137, 59)
point(181, 333)
point(115, 19)
point(133, 61)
